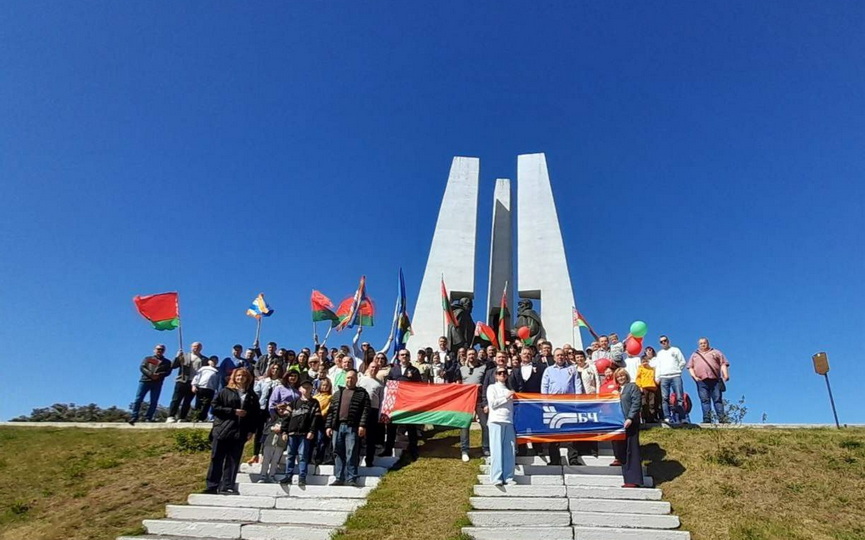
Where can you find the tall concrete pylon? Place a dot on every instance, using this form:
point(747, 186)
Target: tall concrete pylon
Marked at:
point(451, 254)
point(501, 253)
point(541, 263)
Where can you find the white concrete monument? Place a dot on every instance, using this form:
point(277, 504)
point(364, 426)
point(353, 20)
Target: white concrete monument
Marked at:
point(501, 253)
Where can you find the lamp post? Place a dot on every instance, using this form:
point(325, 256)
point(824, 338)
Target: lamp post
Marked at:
point(821, 366)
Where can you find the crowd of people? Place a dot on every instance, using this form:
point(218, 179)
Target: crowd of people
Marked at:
point(321, 405)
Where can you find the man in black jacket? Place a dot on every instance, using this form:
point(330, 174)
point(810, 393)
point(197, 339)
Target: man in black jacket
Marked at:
point(153, 369)
point(527, 378)
point(346, 425)
point(402, 371)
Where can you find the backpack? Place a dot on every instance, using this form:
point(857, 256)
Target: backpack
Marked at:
point(686, 401)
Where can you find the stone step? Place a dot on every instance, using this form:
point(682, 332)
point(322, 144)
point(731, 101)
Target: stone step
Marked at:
point(212, 513)
point(286, 532)
point(308, 517)
point(595, 469)
point(320, 470)
point(531, 480)
point(624, 506)
point(238, 501)
point(521, 491)
point(529, 469)
point(519, 533)
point(593, 533)
point(156, 537)
point(278, 490)
point(385, 462)
point(600, 492)
point(598, 480)
point(630, 521)
point(312, 480)
point(313, 503)
point(600, 461)
point(519, 519)
point(194, 529)
point(519, 503)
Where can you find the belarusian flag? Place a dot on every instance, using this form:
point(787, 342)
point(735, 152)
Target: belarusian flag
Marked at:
point(363, 317)
point(503, 311)
point(450, 319)
point(450, 405)
point(162, 310)
point(321, 311)
point(486, 333)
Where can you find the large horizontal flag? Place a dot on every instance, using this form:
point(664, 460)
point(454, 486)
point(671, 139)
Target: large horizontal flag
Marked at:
point(321, 308)
point(546, 418)
point(162, 310)
point(259, 308)
point(438, 404)
point(486, 333)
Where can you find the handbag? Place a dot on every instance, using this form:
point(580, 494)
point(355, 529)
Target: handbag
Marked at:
point(721, 384)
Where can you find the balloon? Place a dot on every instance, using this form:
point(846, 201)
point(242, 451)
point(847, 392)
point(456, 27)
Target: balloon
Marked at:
point(523, 332)
point(634, 346)
point(639, 329)
point(601, 365)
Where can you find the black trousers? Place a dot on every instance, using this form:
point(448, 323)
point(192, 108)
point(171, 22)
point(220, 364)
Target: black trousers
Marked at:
point(372, 436)
point(628, 452)
point(258, 436)
point(182, 399)
point(203, 399)
point(411, 429)
point(224, 463)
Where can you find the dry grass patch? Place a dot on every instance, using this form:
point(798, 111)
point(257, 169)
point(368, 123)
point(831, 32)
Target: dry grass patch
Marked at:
point(77, 484)
point(755, 484)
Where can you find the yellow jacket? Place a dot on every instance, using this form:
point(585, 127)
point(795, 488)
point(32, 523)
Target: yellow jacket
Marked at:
point(646, 377)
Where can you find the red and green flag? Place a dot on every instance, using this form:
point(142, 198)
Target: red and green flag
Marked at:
point(486, 333)
point(162, 310)
point(450, 405)
point(450, 319)
point(357, 310)
point(581, 322)
point(322, 309)
point(503, 318)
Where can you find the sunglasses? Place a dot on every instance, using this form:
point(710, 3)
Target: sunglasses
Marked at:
point(501, 372)
point(665, 341)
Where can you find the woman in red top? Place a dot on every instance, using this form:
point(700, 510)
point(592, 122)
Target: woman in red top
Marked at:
point(609, 384)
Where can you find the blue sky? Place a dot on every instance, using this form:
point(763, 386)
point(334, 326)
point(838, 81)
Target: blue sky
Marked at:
point(706, 160)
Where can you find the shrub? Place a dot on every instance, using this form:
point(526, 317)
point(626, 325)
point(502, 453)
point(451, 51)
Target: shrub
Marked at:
point(190, 441)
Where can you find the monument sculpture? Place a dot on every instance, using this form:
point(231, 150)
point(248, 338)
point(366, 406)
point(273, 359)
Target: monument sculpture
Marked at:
point(528, 317)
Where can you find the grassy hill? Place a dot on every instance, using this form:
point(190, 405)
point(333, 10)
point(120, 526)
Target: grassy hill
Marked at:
point(737, 484)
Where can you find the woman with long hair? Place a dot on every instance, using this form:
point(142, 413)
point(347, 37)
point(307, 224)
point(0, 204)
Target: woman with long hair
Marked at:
point(263, 388)
point(236, 413)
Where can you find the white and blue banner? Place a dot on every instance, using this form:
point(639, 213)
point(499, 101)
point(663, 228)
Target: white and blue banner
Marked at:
point(568, 417)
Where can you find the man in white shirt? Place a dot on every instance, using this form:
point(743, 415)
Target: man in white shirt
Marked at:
point(669, 364)
point(603, 350)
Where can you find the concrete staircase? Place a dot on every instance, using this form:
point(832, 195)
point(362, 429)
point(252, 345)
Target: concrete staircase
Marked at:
point(577, 502)
point(269, 511)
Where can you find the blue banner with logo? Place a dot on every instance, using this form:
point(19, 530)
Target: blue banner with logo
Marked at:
point(545, 418)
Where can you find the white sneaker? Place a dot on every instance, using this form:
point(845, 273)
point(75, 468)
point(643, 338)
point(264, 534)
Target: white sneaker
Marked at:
point(262, 480)
point(465, 457)
point(170, 420)
point(511, 482)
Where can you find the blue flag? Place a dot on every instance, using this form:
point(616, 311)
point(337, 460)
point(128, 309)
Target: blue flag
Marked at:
point(568, 417)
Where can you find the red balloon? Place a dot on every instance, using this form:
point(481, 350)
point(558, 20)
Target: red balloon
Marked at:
point(634, 346)
point(601, 364)
point(523, 332)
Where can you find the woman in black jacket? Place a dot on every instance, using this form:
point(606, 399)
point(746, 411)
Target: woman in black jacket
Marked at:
point(628, 451)
point(235, 418)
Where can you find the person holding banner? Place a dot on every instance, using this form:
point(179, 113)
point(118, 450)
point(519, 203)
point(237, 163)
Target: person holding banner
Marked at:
point(560, 378)
point(628, 451)
point(503, 438)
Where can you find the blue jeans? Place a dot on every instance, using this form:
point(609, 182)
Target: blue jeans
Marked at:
point(154, 388)
point(346, 452)
point(668, 386)
point(503, 451)
point(485, 433)
point(298, 445)
point(710, 393)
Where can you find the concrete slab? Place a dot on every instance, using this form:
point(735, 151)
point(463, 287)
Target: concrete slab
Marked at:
point(600, 461)
point(529, 469)
point(520, 491)
point(485, 518)
point(309, 517)
point(327, 470)
point(592, 533)
point(602, 470)
point(212, 513)
point(519, 503)
point(636, 494)
point(531, 480)
point(519, 533)
point(239, 501)
point(598, 480)
point(312, 503)
point(630, 521)
point(263, 490)
point(193, 529)
point(286, 532)
point(312, 480)
point(622, 506)
point(336, 492)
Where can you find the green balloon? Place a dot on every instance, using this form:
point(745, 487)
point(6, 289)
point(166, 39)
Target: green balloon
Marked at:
point(639, 329)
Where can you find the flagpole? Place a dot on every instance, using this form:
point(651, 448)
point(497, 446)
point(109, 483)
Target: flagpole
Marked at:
point(257, 328)
point(444, 328)
point(179, 324)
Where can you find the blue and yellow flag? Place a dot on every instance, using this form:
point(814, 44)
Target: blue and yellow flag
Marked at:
point(259, 308)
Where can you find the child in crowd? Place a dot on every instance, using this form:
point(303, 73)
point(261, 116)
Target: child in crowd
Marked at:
point(204, 387)
point(648, 387)
point(275, 442)
point(609, 384)
point(438, 369)
point(301, 426)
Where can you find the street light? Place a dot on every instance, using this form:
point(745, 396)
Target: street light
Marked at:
point(821, 366)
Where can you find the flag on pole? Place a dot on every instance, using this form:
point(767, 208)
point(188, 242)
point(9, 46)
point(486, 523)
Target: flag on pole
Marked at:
point(403, 323)
point(259, 308)
point(486, 333)
point(356, 310)
point(162, 310)
point(437, 404)
point(450, 319)
point(503, 310)
point(321, 309)
point(579, 320)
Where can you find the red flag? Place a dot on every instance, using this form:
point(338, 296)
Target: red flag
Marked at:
point(450, 319)
point(162, 310)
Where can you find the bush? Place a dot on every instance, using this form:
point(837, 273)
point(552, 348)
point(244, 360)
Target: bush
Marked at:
point(190, 441)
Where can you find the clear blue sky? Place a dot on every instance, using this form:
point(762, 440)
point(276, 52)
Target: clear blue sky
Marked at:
point(706, 158)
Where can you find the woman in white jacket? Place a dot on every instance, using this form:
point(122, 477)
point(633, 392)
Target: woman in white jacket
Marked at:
point(503, 443)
